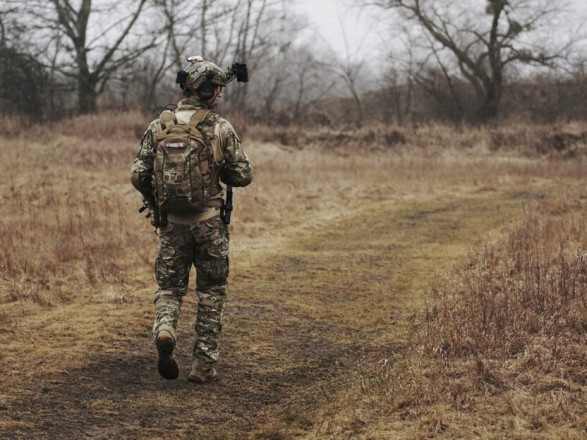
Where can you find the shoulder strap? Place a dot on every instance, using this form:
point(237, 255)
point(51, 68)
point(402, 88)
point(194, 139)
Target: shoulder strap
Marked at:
point(210, 129)
point(198, 116)
point(216, 141)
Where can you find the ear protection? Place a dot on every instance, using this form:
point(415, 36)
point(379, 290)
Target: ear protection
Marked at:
point(206, 90)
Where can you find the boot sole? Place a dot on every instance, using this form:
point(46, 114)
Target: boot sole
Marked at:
point(166, 364)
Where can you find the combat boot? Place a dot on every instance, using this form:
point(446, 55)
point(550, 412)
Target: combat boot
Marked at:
point(166, 364)
point(202, 373)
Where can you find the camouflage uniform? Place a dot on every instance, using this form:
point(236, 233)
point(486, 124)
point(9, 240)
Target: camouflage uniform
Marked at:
point(200, 239)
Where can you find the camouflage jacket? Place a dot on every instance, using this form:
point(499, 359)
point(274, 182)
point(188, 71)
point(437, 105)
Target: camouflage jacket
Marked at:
point(235, 167)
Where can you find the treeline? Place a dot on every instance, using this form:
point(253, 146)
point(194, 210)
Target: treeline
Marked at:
point(541, 99)
point(444, 62)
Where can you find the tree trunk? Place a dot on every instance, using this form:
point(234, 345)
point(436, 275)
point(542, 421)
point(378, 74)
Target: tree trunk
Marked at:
point(490, 106)
point(87, 94)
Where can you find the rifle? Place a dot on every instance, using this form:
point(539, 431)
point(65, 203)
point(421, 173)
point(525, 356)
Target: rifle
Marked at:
point(157, 219)
point(226, 209)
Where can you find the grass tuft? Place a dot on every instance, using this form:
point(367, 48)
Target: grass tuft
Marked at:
point(504, 333)
point(514, 296)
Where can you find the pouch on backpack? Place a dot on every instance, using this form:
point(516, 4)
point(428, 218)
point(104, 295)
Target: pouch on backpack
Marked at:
point(185, 172)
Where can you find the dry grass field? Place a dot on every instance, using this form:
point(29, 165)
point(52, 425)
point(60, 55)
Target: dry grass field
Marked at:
point(385, 283)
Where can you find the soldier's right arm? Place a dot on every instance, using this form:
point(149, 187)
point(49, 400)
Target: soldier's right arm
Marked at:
point(142, 167)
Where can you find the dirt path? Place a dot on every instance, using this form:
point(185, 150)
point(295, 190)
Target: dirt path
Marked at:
point(304, 321)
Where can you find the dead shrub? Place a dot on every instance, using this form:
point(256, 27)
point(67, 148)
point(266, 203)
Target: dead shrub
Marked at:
point(522, 299)
point(394, 138)
point(505, 332)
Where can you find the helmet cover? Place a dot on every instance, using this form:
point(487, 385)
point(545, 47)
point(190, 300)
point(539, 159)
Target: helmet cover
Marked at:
point(199, 71)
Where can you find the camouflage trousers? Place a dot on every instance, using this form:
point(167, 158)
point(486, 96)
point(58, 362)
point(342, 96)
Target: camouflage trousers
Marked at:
point(204, 245)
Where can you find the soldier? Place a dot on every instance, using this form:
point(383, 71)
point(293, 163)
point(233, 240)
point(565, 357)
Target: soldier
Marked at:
point(198, 234)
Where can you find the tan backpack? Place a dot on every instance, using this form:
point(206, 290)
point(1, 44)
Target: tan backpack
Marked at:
point(186, 174)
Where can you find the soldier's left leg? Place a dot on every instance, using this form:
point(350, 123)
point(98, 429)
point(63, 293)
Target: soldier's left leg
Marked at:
point(172, 271)
point(211, 263)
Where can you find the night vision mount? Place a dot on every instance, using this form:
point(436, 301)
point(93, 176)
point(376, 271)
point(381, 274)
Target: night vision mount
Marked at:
point(238, 71)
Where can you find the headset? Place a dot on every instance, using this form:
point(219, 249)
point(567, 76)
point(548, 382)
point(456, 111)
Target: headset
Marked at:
point(208, 88)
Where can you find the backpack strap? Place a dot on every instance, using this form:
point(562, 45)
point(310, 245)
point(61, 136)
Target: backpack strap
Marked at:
point(218, 156)
point(205, 123)
point(198, 116)
point(208, 165)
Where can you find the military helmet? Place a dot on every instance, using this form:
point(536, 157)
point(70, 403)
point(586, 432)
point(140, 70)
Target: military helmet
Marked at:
point(200, 72)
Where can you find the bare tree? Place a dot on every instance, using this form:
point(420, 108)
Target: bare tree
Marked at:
point(277, 64)
point(309, 82)
point(435, 77)
point(484, 43)
point(22, 76)
point(257, 32)
point(95, 40)
point(210, 38)
point(351, 68)
point(397, 96)
point(3, 28)
point(253, 13)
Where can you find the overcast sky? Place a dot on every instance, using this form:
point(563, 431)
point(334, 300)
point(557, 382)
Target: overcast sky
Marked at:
point(327, 17)
point(362, 32)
